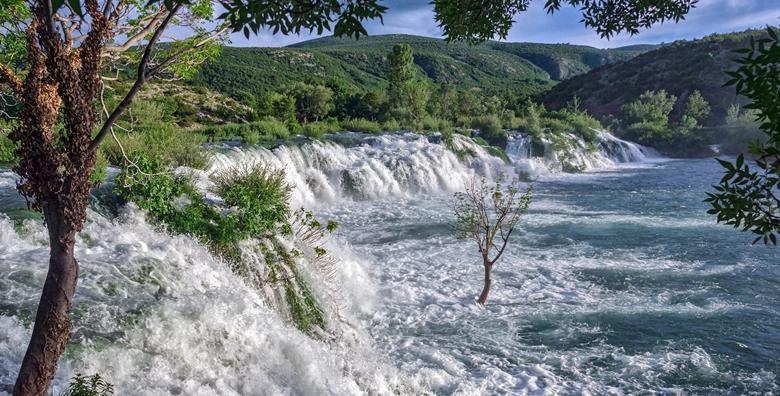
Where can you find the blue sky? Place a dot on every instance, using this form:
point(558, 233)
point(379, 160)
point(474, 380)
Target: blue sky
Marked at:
point(709, 16)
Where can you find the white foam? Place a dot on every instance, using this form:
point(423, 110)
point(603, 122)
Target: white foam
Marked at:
point(156, 314)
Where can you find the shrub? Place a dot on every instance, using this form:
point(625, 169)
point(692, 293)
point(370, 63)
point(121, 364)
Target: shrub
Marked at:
point(271, 128)
point(295, 128)
point(578, 123)
point(391, 125)
point(490, 129)
point(555, 126)
point(361, 125)
point(173, 201)
point(7, 147)
point(318, 129)
point(88, 386)
point(268, 129)
point(435, 124)
point(259, 195)
point(155, 135)
point(507, 119)
point(279, 106)
point(251, 137)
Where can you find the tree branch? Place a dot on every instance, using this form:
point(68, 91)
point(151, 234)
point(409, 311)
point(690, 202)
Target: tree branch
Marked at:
point(135, 39)
point(139, 82)
point(8, 76)
point(167, 62)
point(503, 246)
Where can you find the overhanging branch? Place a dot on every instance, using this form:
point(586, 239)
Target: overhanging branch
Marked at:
point(139, 82)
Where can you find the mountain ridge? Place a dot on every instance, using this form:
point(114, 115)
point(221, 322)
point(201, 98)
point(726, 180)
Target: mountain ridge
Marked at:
point(493, 67)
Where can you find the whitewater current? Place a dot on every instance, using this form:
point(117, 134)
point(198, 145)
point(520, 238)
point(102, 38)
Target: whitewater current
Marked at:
point(617, 283)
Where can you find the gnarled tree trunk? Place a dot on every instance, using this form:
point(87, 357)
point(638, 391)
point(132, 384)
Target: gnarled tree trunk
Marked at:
point(52, 322)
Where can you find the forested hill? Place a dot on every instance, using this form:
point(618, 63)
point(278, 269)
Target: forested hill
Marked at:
point(493, 67)
point(679, 68)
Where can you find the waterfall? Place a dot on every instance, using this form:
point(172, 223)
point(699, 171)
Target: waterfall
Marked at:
point(570, 153)
point(376, 167)
point(159, 314)
point(358, 167)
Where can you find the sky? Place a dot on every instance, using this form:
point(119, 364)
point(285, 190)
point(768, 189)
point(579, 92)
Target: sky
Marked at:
point(535, 25)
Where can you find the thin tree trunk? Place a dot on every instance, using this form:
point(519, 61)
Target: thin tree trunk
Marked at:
point(52, 322)
point(486, 288)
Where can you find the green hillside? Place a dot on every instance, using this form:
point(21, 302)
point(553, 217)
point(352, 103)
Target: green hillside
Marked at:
point(492, 67)
point(679, 68)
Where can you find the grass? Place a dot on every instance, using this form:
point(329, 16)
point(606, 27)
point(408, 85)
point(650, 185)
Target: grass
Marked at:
point(361, 125)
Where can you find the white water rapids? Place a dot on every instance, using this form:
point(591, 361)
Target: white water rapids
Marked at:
point(157, 314)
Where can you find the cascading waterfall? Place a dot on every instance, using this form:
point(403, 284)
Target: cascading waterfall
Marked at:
point(378, 167)
point(534, 157)
point(409, 164)
point(158, 314)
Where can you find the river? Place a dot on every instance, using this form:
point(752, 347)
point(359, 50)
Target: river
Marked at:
point(617, 282)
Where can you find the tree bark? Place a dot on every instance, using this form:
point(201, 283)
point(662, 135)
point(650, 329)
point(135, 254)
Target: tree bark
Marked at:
point(486, 288)
point(52, 322)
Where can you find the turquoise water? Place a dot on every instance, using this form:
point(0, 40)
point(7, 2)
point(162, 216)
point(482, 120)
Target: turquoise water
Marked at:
point(618, 282)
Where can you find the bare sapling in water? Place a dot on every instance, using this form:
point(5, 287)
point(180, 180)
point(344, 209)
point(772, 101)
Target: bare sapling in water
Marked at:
point(487, 213)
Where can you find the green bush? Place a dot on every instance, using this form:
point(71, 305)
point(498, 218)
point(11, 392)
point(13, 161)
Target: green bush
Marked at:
point(294, 127)
point(435, 124)
point(361, 125)
point(554, 126)
point(265, 130)
point(88, 386)
point(155, 135)
point(391, 125)
point(271, 128)
point(260, 196)
point(172, 200)
point(507, 119)
point(251, 137)
point(7, 147)
point(317, 130)
point(578, 123)
point(490, 129)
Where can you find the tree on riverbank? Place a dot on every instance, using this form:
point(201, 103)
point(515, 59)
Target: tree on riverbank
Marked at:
point(488, 213)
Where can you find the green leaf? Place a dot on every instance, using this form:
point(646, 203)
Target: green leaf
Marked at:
point(56, 5)
point(75, 5)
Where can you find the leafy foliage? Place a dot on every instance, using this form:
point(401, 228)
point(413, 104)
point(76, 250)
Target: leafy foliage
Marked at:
point(259, 196)
point(361, 125)
point(491, 130)
point(477, 21)
point(288, 17)
point(748, 197)
point(312, 102)
point(94, 385)
point(696, 110)
point(7, 146)
point(361, 65)
point(155, 133)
